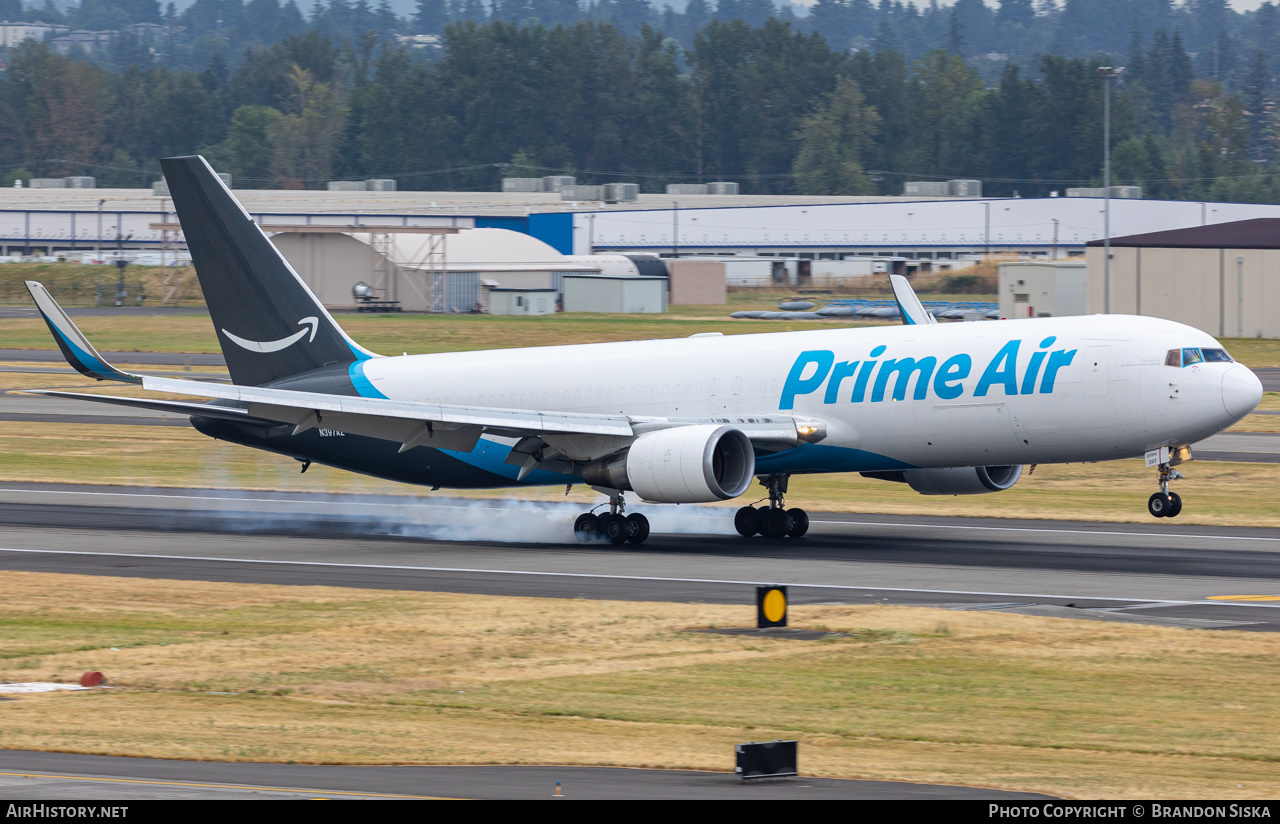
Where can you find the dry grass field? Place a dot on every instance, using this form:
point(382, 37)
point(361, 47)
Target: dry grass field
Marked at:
point(319, 675)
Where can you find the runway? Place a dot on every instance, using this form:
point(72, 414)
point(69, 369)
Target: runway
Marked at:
point(1182, 576)
point(69, 777)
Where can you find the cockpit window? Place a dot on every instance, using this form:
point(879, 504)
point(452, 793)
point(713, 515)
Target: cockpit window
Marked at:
point(1191, 356)
point(1174, 358)
point(1216, 356)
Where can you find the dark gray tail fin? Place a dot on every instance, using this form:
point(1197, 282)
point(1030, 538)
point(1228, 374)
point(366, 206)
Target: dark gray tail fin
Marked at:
point(270, 325)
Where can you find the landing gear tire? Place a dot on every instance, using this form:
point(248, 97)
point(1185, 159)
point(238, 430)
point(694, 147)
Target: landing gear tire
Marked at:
point(614, 528)
point(775, 523)
point(799, 522)
point(747, 521)
point(586, 528)
point(637, 528)
point(1175, 505)
point(1161, 505)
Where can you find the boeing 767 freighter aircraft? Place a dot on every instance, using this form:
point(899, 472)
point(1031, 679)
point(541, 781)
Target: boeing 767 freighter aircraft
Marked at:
point(950, 409)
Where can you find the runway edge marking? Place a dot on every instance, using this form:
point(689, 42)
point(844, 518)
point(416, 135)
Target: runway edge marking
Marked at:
point(535, 573)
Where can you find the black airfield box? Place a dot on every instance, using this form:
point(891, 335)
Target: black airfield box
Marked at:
point(769, 759)
point(771, 607)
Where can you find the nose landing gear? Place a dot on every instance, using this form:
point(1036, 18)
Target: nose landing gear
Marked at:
point(1165, 504)
point(612, 526)
point(772, 521)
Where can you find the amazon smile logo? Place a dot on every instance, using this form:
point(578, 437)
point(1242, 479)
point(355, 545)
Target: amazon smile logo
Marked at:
point(276, 345)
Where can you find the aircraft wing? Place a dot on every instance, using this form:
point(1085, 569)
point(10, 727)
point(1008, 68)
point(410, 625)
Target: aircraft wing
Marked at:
point(575, 435)
point(443, 426)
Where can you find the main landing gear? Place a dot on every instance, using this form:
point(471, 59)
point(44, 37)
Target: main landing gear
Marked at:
point(612, 526)
point(772, 521)
point(1165, 504)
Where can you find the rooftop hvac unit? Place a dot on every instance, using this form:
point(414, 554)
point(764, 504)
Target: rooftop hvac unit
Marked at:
point(380, 185)
point(345, 186)
point(160, 189)
point(925, 188)
point(1086, 191)
point(686, 188)
point(226, 178)
point(964, 188)
point(621, 192)
point(81, 183)
point(48, 183)
point(722, 187)
point(1127, 192)
point(554, 183)
point(522, 184)
point(582, 192)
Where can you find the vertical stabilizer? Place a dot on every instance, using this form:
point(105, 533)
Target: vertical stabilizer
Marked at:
point(270, 325)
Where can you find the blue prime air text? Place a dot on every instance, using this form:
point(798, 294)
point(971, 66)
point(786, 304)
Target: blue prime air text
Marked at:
point(848, 381)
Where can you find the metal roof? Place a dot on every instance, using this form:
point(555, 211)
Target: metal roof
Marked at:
point(1257, 233)
point(487, 204)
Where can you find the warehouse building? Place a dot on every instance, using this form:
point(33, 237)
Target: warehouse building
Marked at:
point(1223, 279)
point(76, 221)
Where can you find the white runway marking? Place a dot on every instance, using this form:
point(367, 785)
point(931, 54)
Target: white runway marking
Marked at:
point(415, 502)
point(651, 578)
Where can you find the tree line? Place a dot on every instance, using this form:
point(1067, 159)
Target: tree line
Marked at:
point(773, 106)
point(1221, 39)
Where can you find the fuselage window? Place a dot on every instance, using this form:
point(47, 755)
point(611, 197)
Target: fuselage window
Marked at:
point(1191, 356)
point(1216, 356)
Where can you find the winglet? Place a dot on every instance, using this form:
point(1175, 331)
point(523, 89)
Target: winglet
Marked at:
point(74, 345)
point(909, 306)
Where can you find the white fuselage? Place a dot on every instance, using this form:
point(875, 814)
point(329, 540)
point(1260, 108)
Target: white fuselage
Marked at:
point(1040, 390)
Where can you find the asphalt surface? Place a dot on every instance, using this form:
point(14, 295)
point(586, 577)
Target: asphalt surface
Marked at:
point(70, 777)
point(156, 358)
point(99, 311)
point(1160, 573)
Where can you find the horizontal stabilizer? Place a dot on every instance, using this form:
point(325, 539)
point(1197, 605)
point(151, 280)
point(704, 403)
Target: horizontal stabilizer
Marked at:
point(74, 345)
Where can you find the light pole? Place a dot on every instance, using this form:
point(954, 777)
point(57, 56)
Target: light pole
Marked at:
point(97, 246)
point(986, 230)
point(1107, 73)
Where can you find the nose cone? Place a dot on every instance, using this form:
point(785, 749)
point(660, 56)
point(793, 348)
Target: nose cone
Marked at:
point(1241, 391)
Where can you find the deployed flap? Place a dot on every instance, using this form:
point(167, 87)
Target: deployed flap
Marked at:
point(74, 345)
point(912, 310)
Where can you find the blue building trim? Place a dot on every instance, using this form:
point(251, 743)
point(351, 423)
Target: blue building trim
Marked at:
point(554, 229)
point(514, 224)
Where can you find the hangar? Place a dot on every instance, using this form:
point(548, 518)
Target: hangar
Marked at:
point(425, 271)
point(1223, 279)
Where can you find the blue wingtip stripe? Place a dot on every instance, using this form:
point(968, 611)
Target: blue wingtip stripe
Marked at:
point(87, 361)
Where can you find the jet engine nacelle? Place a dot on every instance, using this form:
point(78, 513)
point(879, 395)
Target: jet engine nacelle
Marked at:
point(963, 480)
point(681, 465)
